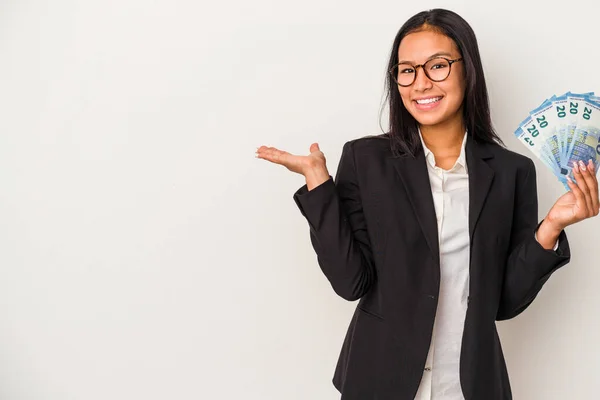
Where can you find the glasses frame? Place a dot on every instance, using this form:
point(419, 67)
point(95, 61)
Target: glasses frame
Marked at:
point(415, 67)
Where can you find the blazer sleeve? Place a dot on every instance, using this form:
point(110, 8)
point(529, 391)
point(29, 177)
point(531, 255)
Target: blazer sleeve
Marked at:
point(529, 265)
point(338, 231)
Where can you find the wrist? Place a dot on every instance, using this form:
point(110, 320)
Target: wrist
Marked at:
point(552, 226)
point(316, 176)
point(547, 234)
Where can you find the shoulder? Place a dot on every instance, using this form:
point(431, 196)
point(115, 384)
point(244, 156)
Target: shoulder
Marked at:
point(378, 145)
point(509, 160)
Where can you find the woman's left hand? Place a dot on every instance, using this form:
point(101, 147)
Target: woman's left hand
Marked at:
point(580, 202)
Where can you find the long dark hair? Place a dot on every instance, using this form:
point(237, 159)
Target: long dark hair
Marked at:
point(403, 129)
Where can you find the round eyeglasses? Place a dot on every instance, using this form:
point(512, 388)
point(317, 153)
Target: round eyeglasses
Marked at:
point(437, 69)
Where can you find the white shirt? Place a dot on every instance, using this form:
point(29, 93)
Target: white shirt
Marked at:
point(450, 189)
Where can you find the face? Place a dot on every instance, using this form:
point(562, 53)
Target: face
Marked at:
point(432, 103)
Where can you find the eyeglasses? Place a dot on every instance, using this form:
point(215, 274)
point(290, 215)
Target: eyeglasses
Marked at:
point(437, 69)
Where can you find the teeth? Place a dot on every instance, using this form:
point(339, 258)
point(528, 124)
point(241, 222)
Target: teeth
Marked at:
point(427, 101)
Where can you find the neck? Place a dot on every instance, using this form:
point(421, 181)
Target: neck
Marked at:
point(444, 139)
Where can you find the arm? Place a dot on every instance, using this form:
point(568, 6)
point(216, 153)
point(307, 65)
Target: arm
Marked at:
point(529, 264)
point(338, 231)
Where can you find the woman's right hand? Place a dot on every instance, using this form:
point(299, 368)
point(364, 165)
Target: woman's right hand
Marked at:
point(312, 166)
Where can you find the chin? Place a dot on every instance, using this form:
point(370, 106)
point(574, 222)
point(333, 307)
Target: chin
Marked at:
point(428, 120)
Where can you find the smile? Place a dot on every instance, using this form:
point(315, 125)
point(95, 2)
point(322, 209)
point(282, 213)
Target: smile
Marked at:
point(429, 100)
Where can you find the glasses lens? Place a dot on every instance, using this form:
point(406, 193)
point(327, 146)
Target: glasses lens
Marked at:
point(437, 69)
point(404, 74)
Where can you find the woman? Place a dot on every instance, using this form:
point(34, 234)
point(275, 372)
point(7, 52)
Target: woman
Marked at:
point(433, 226)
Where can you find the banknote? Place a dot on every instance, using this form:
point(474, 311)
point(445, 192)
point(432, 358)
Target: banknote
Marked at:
point(545, 120)
point(574, 108)
point(562, 130)
point(529, 134)
point(586, 139)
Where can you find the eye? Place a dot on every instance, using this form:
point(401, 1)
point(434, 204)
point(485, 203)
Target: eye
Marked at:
point(407, 71)
point(439, 65)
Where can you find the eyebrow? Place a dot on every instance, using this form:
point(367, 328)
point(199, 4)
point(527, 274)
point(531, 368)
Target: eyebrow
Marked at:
point(439, 53)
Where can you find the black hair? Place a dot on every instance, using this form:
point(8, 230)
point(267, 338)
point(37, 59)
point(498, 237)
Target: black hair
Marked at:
point(403, 128)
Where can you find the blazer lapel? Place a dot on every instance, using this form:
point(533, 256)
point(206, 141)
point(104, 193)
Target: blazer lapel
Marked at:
point(481, 176)
point(413, 174)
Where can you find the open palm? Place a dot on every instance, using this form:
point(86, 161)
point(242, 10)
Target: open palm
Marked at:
point(295, 163)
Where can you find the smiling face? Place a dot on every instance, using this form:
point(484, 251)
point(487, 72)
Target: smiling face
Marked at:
point(432, 103)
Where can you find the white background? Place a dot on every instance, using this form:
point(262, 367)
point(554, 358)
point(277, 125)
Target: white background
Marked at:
point(146, 254)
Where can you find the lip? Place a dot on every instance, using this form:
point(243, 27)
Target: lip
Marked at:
point(427, 97)
point(429, 106)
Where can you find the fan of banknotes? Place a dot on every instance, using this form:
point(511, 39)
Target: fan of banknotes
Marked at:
point(562, 130)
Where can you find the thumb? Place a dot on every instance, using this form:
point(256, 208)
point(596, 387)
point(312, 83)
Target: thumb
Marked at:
point(314, 147)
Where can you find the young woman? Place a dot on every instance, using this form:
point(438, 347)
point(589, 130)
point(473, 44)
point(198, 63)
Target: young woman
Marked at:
point(433, 226)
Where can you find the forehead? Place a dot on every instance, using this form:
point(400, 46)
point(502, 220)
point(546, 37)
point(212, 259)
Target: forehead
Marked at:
point(419, 46)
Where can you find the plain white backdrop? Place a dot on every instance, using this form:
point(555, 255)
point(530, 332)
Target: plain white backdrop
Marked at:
point(146, 254)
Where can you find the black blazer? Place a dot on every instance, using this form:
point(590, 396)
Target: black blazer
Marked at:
point(374, 231)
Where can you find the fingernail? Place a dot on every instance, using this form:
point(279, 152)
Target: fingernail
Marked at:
point(591, 165)
point(582, 165)
point(575, 167)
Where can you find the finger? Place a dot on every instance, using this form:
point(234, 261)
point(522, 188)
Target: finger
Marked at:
point(593, 184)
point(588, 178)
point(578, 171)
point(579, 197)
point(273, 155)
point(260, 151)
point(265, 151)
point(314, 147)
point(279, 156)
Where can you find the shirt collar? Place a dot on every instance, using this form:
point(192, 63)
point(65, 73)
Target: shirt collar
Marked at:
point(460, 161)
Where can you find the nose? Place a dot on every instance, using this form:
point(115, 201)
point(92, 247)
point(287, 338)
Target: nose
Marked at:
point(422, 82)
